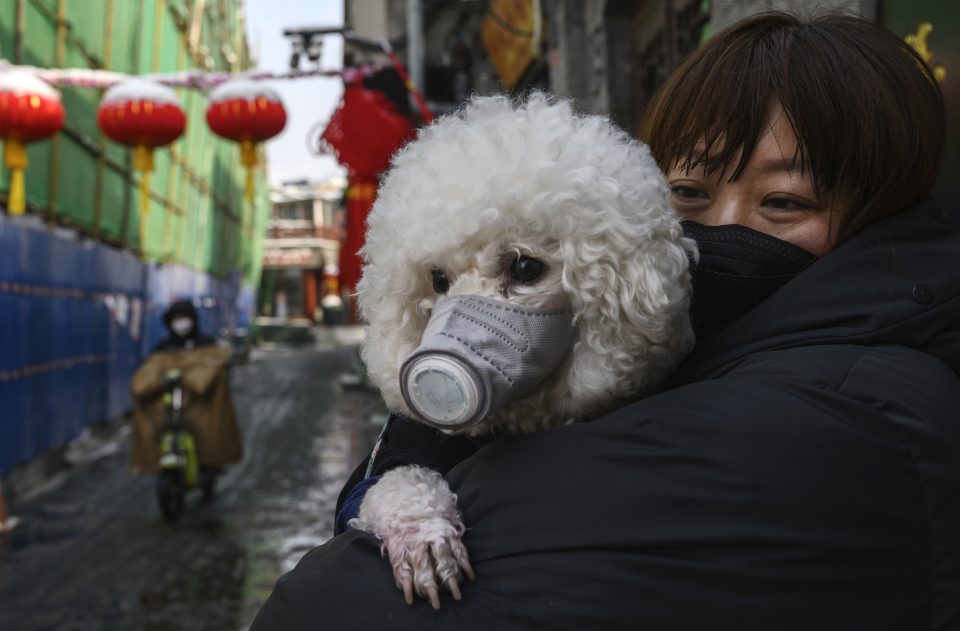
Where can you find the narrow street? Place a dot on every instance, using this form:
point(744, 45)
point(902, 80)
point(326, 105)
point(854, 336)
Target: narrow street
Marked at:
point(93, 553)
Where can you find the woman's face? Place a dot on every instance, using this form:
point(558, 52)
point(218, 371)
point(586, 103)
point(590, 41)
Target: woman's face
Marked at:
point(771, 195)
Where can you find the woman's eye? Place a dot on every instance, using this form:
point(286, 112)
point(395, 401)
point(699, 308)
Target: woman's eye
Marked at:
point(786, 203)
point(440, 281)
point(688, 192)
point(526, 270)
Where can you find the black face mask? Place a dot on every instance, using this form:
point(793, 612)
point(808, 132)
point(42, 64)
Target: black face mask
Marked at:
point(739, 268)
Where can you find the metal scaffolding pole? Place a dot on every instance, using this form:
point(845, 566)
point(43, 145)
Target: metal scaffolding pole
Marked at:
point(415, 42)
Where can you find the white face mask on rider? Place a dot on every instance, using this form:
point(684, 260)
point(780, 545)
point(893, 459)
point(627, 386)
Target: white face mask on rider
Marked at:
point(182, 327)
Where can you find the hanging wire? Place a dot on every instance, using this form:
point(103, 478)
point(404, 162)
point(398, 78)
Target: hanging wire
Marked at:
point(90, 78)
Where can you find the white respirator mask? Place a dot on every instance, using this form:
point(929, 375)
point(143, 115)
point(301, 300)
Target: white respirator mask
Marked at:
point(182, 327)
point(478, 355)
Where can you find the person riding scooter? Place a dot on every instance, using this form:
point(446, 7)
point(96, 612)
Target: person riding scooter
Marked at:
point(184, 419)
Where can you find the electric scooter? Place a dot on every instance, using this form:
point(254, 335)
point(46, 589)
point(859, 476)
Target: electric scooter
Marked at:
point(180, 470)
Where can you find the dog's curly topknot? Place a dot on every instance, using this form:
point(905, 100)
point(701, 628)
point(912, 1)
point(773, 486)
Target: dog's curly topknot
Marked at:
point(574, 185)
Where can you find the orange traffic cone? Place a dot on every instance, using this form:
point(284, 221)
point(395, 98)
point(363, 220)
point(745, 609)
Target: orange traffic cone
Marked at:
point(7, 522)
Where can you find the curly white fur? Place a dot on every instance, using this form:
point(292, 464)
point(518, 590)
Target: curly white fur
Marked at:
point(570, 190)
point(413, 511)
point(476, 189)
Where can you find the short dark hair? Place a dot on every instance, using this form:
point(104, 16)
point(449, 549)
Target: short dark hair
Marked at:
point(867, 111)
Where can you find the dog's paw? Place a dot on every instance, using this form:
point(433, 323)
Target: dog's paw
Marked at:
point(414, 513)
point(426, 555)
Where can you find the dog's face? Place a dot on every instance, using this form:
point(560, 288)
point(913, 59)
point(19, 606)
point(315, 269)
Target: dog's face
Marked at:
point(537, 207)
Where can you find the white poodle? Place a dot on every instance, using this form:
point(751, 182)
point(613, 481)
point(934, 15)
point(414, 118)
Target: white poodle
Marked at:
point(517, 215)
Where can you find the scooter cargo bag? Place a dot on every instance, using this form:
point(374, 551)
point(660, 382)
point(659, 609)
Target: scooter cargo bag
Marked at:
point(208, 410)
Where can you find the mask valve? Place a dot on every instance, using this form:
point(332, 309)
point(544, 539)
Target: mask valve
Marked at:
point(441, 390)
point(477, 355)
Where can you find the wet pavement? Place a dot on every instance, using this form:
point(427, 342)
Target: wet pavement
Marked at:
point(93, 553)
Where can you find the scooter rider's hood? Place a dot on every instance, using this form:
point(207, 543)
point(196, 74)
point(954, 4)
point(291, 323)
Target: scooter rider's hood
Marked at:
point(180, 309)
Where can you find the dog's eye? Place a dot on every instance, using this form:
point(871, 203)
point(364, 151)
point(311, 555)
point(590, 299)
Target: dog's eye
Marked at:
point(526, 270)
point(440, 281)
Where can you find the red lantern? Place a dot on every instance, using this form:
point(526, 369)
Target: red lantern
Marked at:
point(30, 110)
point(247, 112)
point(365, 131)
point(144, 115)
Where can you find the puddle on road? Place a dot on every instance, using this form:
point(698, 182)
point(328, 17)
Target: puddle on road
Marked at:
point(95, 554)
point(214, 575)
point(206, 585)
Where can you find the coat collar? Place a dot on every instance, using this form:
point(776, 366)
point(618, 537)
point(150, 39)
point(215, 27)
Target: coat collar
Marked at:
point(896, 282)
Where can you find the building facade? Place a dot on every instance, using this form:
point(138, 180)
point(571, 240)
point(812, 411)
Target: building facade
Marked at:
point(301, 252)
point(610, 56)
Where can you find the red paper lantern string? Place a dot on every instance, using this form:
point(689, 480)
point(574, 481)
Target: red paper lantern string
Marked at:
point(247, 112)
point(30, 110)
point(144, 115)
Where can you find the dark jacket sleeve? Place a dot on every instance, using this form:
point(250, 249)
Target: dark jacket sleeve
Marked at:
point(406, 442)
point(749, 502)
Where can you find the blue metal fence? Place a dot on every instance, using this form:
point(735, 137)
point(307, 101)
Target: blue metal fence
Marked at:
point(76, 319)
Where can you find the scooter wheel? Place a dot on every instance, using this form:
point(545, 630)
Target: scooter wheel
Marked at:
point(208, 484)
point(170, 492)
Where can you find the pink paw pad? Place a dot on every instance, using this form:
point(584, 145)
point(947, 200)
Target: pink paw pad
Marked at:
point(425, 554)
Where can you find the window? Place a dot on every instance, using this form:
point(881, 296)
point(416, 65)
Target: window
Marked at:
point(302, 210)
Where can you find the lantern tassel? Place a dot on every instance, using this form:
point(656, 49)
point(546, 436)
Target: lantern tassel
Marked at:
point(143, 162)
point(15, 156)
point(248, 158)
point(144, 207)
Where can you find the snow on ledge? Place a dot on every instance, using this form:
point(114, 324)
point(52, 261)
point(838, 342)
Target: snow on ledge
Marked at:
point(140, 90)
point(243, 89)
point(26, 82)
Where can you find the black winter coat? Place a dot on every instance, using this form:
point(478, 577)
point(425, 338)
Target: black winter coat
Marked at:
point(801, 471)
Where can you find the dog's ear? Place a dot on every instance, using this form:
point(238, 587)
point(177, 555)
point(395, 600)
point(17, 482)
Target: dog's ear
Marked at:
point(631, 301)
point(387, 296)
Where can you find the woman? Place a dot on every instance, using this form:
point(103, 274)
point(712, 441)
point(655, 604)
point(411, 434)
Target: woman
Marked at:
point(801, 470)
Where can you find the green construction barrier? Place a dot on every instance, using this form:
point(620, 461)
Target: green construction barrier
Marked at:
point(198, 213)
